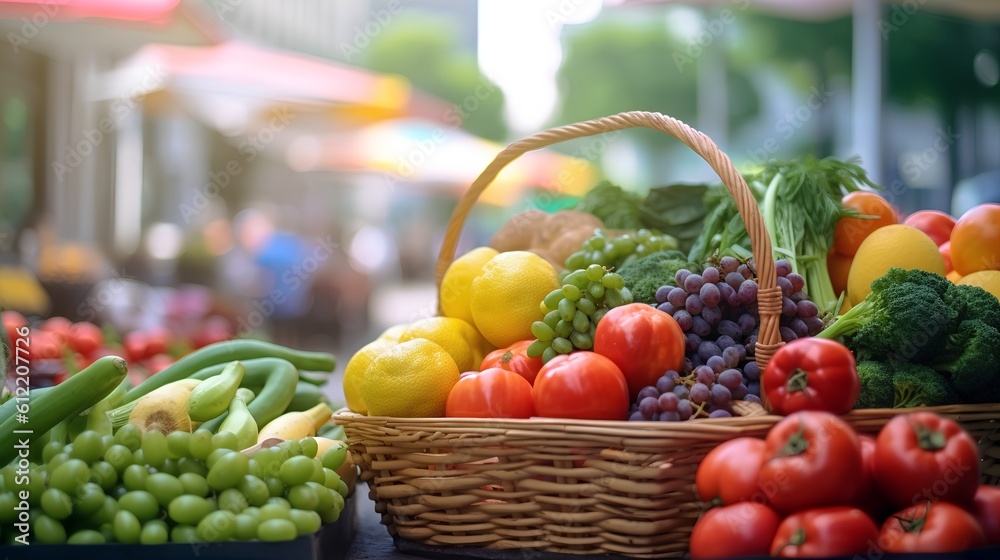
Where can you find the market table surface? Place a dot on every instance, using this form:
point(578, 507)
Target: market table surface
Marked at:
point(372, 540)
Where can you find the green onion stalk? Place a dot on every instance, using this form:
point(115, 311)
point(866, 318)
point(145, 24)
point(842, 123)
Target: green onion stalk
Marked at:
point(801, 208)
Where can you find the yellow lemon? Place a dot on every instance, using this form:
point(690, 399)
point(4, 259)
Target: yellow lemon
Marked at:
point(410, 380)
point(393, 333)
point(505, 297)
point(354, 372)
point(480, 346)
point(456, 283)
point(988, 280)
point(454, 335)
point(893, 246)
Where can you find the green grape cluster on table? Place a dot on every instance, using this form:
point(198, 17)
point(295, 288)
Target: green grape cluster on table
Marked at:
point(614, 252)
point(152, 488)
point(573, 311)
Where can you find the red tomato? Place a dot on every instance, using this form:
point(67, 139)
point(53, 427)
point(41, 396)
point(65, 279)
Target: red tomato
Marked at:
point(945, 250)
point(870, 498)
point(936, 224)
point(136, 345)
point(491, 393)
point(514, 358)
point(830, 531)
point(986, 509)
point(921, 456)
point(642, 341)
point(15, 325)
point(85, 338)
point(157, 341)
point(975, 241)
point(931, 527)
point(812, 460)
point(850, 232)
point(215, 329)
point(811, 374)
point(58, 326)
point(159, 363)
point(741, 529)
point(581, 385)
point(45, 345)
point(728, 473)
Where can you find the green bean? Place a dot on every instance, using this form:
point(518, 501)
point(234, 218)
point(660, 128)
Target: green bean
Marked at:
point(228, 351)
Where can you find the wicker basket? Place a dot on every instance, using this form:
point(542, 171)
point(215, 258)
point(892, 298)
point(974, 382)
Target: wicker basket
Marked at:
point(574, 486)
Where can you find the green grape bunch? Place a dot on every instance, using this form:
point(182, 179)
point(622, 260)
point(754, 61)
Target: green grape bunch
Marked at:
point(573, 311)
point(615, 251)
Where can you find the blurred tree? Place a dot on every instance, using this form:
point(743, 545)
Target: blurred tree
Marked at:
point(808, 51)
point(426, 50)
point(930, 60)
point(621, 62)
point(930, 63)
point(809, 54)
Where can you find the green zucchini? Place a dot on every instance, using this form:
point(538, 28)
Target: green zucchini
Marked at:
point(8, 408)
point(277, 379)
point(316, 380)
point(306, 396)
point(68, 399)
point(222, 353)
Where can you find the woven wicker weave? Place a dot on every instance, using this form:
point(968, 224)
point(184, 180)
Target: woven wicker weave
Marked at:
point(573, 486)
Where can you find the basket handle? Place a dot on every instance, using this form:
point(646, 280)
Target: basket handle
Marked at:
point(769, 294)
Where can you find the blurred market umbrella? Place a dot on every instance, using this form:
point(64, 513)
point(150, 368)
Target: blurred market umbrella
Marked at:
point(234, 86)
point(415, 153)
point(105, 26)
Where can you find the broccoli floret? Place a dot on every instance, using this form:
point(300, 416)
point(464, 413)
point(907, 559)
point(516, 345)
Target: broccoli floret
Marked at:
point(971, 358)
point(644, 276)
point(905, 317)
point(941, 285)
point(917, 385)
point(876, 385)
point(976, 303)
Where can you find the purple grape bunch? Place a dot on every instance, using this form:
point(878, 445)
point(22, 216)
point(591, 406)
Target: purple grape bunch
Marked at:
point(717, 310)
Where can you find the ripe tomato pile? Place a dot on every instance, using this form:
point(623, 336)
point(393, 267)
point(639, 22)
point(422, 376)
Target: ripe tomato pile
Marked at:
point(633, 345)
point(63, 347)
point(814, 487)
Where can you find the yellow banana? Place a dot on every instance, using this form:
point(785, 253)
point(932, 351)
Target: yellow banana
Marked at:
point(212, 397)
point(296, 425)
point(164, 409)
point(241, 424)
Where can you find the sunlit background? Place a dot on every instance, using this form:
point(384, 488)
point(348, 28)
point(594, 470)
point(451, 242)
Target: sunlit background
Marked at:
point(286, 168)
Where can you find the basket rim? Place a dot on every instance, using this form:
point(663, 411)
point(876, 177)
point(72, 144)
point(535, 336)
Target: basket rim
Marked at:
point(345, 415)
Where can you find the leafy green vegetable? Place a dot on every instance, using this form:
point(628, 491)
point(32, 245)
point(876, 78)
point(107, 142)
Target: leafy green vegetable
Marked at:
point(723, 232)
point(800, 204)
point(677, 210)
point(674, 210)
point(801, 208)
point(616, 207)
